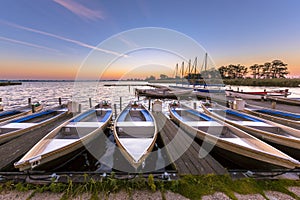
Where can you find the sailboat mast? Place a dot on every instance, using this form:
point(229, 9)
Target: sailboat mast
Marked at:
point(182, 72)
point(176, 72)
point(205, 62)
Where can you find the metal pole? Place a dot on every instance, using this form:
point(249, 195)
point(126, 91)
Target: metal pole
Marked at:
point(59, 101)
point(79, 108)
point(90, 101)
point(32, 109)
point(149, 104)
point(115, 108)
point(273, 104)
point(120, 103)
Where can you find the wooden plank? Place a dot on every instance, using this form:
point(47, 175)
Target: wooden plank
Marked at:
point(199, 165)
point(189, 162)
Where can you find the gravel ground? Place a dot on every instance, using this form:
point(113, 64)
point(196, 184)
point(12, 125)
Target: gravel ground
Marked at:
point(249, 196)
point(295, 190)
point(216, 196)
point(145, 195)
point(278, 196)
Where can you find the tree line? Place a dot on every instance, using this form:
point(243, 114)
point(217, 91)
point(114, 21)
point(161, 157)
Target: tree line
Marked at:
point(268, 70)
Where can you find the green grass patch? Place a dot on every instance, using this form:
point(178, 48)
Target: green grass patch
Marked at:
point(278, 82)
point(193, 187)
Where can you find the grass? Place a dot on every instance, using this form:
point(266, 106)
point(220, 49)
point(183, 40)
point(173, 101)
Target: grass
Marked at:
point(279, 82)
point(193, 187)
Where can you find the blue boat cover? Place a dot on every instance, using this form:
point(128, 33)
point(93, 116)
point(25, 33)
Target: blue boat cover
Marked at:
point(284, 114)
point(5, 113)
point(201, 115)
point(147, 115)
point(122, 115)
point(243, 116)
point(82, 116)
point(106, 116)
point(23, 119)
point(177, 115)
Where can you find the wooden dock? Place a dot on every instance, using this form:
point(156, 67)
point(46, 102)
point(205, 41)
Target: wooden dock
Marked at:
point(184, 151)
point(16, 148)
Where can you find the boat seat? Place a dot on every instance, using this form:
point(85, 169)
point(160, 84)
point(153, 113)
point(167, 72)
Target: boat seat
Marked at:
point(18, 125)
point(240, 142)
point(131, 129)
point(84, 124)
point(203, 123)
point(251, 123)
point(74, 132)
point(135, 124)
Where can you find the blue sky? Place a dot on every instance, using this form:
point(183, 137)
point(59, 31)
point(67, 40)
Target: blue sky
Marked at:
point(56, 35)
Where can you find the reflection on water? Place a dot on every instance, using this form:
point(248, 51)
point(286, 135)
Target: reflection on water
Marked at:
point(49, 92)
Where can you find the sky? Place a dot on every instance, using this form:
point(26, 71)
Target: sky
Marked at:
point(88, 39)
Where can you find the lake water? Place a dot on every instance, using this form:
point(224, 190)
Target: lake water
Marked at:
point(48, 93)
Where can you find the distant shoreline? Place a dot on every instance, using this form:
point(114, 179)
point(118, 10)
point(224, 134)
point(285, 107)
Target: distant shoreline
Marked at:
point(280, 82)
point(10, 83)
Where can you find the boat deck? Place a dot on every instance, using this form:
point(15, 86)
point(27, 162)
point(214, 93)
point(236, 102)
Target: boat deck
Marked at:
point(189, 162)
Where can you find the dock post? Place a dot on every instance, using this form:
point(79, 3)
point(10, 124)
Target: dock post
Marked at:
point(90, 101)
point(120, 103)
point(273, 105)
point(29, 101)
point(32, 108)
point(115, 108)
point(59, 100)
point(195, 105)
point(79, 108)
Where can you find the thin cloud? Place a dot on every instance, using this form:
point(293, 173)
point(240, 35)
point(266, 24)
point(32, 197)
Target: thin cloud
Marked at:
point(80, 10)
point(26, 44)
point(128, 42)
point(82, 44)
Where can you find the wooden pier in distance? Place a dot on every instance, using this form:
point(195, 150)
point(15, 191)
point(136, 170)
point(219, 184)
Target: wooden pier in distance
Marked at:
point(184, 151)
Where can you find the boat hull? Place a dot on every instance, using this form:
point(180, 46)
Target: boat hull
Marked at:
point(35, 160)
point(291, 144)
point(136, 132)
point(237, 151)
point(17, 132)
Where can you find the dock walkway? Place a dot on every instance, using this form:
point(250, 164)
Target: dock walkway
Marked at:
point(184, 151)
